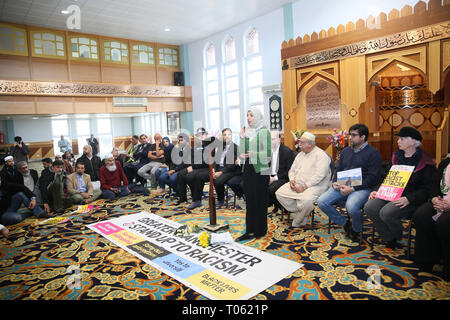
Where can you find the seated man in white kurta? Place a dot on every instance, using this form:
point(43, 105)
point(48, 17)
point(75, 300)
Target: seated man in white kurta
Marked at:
point(309, 177)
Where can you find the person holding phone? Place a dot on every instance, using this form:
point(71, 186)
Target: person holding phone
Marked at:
point(19, 151)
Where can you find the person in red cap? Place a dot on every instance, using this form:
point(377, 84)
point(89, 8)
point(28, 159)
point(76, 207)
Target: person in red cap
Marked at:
point(387, 215)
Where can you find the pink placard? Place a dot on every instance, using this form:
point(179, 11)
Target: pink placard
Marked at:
point(107, 228)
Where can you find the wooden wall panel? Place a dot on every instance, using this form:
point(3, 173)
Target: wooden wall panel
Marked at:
point(165, 77)
point(129, 109)
point(17, 105)
point(155, 106)
point(90, 105)
point(49, 70)
point(49, 105)
point(174, 106)
point(143, 75)
point(116, 74)
point(14, 68)
point(85, 72)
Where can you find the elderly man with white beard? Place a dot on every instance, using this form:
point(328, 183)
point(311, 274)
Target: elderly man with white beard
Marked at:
point(113, 180)
point(309, 177)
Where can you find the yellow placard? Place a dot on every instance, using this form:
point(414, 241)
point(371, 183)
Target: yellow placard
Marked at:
point(218, 286)
point(126, 238)
point(397, 178)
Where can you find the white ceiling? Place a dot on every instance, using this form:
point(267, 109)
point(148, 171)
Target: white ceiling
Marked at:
point(188, 20)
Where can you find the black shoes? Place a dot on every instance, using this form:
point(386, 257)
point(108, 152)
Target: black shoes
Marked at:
point(245, 236)
point(391, 244)
point(350, 232)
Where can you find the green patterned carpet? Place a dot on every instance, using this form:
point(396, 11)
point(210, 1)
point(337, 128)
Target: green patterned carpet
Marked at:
point(34, 260)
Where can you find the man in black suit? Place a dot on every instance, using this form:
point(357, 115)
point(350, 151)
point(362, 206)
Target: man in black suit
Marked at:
point(199, 165)
point(282, 159)
point(224, 167)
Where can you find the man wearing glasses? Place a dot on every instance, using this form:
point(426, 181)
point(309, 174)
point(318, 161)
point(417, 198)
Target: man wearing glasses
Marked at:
point(359, 155)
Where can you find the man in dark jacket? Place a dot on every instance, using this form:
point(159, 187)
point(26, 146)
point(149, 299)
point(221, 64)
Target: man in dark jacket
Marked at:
point(224, 167)
point(200, 156)
point(12, 197)
point(92, 163)
point(19, 151)
point(52, 187)
point(281, 162)
point(358, 155)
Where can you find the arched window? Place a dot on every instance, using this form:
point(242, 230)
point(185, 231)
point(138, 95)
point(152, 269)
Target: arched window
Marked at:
point(13, 40)
point(231, 86)
point(115, 51)
point(168, 57)
point(253, 71)
point(211, 88)
point(48, 44)
point(83, 48)
point(143, 54)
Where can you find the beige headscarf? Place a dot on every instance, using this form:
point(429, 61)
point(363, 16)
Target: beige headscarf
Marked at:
point(258, 123)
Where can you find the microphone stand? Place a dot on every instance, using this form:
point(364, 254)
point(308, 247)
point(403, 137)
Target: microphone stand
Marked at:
point(213, 226)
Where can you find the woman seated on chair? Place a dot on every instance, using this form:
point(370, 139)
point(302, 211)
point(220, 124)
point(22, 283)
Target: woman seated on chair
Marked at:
point(432, 223)
point(387, 215)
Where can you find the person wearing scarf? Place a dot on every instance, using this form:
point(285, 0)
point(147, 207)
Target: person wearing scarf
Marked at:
point(387, 215)
point(167, 146)
point(255, 151)
point(432, 224)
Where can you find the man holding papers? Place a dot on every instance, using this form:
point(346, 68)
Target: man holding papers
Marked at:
point(357, 173)
point(387, 214)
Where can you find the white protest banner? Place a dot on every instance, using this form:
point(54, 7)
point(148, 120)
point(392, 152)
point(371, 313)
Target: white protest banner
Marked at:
point(220, 271)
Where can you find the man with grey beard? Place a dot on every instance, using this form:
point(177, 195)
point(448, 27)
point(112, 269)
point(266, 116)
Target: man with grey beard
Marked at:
point(29, 178)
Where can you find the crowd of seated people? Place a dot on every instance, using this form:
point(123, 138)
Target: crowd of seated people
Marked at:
point(296, 181)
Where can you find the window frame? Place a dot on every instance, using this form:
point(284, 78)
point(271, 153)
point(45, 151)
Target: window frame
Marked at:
point(177, 49)
point(90, 59)
point(25, 38)
point(122, 42)
point(206, 81)
point(42, 55)
point(149, 45)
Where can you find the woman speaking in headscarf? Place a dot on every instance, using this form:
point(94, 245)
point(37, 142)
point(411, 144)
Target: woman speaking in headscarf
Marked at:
point(255, 150)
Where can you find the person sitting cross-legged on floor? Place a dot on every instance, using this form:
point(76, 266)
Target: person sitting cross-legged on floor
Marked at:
point(52, 185)
point(113, 181)
point(309, 177)
point(387, 215)
point(358, 155)
point(12, 197)
point(79, 186)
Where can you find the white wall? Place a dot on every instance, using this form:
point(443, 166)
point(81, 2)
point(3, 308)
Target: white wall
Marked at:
point(271, 35)
point(121, 127)
point(33, 130)
point(313, 16)
point(41, 129)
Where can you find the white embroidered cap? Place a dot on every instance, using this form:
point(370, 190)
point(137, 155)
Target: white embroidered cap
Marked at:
point(309, 136)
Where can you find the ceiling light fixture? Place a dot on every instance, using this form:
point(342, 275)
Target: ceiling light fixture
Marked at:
point(65, 12)
point(167, 29)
